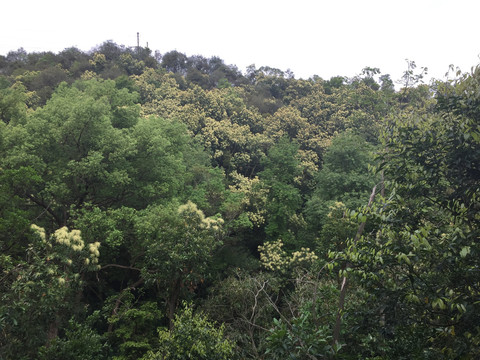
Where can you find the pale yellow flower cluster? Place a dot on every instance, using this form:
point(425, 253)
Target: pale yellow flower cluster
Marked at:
point(94, 253)
point(98, 59)
point(254, 197)
point(88, 75)
point(212, 223)
point(338, 206)
point(191, 209)
point(40, 231)
point(273, 257)
point(74, 241)
point(93, 248)
point(71, 239)
point(304, 255)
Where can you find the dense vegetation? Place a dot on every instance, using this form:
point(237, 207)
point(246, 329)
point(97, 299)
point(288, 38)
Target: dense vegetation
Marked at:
point(171, 207)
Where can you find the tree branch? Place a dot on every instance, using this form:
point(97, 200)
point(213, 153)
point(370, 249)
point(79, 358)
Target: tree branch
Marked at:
point(121, 267)
point(119, 300)
point(343, 288)
point(47, 209)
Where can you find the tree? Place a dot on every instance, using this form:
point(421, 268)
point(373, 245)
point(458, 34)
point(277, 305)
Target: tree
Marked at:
point(342, 185)
point(132, 66)
point(70, 56)
point(192, 337)
point(43, 82)
point(299, 338)
point(175, 62)
point(243, 301)
point(79, 343)
point(344, 177)
point(419, 263)
point(13, 106)
point(42, 290)
point(160, 165)
point(132, 324)
point(16, 59)
point(81, 156)
point(281, 169)
point(110, 50)
point(178, 245)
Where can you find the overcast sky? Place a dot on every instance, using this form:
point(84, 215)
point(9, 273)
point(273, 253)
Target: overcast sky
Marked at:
point(310, 37)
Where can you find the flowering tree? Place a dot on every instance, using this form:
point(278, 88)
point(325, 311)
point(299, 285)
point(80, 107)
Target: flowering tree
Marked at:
point(40, 291)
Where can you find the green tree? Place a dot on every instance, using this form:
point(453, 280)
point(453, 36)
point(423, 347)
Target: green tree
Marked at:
point(243, 301)
point(419, 265)
point(178, 243)
point(42, 290)
point(79, 343)
point(80, 156)
point(43, 82)
point(13, 106)
point(159, 161)
point(175, 62)
point(281, 169)
point(344, 178)
point(193, 337)
point(132, 325)
point(298, 338)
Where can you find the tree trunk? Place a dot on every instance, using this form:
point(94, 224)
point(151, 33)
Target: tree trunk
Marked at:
point(52, 332)
point(172, 300)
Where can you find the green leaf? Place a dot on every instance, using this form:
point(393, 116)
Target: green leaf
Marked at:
point(465, 251)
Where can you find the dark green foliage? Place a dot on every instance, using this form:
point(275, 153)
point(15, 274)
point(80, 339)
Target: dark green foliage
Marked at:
point(334, 83)
point(178, 242)
point(243, 302)
point(14, 217)
point(192, 337)
point(281, 168)
point(12, 103)
point(419, 266)
point(132, 330)
point(299, 339)
point(343, 184)
point(80, 342)
point(175, 62)
point(79, 154)
point(345, 175)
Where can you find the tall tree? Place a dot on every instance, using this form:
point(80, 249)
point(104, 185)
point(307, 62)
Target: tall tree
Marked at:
point(419, 266)
point(178, 243)
point(281, 169)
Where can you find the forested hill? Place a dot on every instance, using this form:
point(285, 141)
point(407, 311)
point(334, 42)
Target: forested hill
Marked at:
point(172, 207)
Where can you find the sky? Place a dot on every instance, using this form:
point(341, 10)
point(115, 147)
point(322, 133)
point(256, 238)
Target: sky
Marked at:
point(309, 37)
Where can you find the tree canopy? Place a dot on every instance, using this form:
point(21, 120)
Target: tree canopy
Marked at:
point(171, 207)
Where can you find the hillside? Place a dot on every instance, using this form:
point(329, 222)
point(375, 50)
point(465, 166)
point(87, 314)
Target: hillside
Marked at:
point(172, 207)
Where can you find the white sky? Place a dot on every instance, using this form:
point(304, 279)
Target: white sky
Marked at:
point(326, 38)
